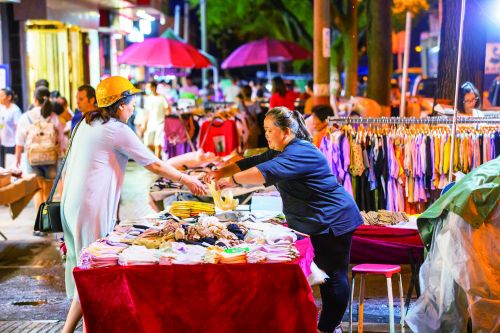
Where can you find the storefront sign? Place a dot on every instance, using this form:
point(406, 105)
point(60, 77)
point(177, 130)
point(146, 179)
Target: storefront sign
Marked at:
point(4, 76)
point(326, 42)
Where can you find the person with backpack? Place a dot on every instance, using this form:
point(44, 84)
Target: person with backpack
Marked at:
point(40, 135)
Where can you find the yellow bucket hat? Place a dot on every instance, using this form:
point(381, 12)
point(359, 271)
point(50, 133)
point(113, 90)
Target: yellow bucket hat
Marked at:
point(113, 88)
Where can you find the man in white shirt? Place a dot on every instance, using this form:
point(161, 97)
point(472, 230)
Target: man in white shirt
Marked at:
point(155, 109)
point(9, 117)
point(232, 92)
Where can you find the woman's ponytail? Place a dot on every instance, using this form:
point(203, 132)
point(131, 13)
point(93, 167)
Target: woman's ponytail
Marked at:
point(42, 96)
point(302, 132)
point(47, 108)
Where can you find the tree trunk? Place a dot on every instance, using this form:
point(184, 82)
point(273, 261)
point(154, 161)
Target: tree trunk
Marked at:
point(336, 66)
point(473, 48)
point(322, 49)
point(350, 39)
point(379, 48)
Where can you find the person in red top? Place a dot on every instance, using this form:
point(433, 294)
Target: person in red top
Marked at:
point(280, 95)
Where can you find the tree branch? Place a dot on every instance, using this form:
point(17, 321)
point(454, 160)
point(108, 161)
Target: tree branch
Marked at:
point(336, 17)
point(293, 18)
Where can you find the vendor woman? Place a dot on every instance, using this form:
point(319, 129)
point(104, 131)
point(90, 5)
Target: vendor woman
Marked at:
point(313, 202)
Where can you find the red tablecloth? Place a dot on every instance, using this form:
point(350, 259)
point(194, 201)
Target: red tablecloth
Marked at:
point(385, 245)
point(199, 298)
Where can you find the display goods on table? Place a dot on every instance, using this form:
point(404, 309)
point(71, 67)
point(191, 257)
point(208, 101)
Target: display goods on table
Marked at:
point(223, 273)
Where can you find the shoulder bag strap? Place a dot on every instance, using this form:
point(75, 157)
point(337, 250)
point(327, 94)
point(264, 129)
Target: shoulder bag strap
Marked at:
point(61, 165)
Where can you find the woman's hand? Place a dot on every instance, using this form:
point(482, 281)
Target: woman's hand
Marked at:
point(213, 176)
point(194, 185)
point(224, 183)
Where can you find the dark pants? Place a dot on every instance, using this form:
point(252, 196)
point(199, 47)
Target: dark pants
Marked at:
point(4, 151)
point(332, 256)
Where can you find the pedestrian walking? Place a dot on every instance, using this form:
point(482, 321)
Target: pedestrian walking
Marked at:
point(10, 114)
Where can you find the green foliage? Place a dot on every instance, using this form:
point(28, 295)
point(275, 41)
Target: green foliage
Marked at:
point(400, 8)
point(253, 19)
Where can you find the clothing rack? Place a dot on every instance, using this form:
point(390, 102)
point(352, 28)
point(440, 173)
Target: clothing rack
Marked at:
point(411, 120)
point(494, 120)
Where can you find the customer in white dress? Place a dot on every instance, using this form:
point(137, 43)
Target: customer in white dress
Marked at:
point(101, 148)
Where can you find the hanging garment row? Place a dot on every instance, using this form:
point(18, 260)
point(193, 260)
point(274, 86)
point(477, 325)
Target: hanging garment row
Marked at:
point(221, 132)
point(403, 168)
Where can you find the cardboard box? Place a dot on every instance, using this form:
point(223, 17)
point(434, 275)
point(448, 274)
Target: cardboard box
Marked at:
point(4, 179)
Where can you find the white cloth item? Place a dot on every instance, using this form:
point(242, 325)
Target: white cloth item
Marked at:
point(95, 168)
point(318, 276)
point(459, 278)
point(9, 118)
point(182, 254)
point(35, 115)
point(137, 255)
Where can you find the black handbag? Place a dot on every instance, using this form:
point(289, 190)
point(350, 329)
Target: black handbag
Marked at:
point(48, 218)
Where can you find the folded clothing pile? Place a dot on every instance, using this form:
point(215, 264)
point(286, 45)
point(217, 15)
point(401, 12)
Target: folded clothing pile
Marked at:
point(208, 240)
point(384, 217)
point(137, 255)
point(100, 254)
point(278, 252)
point(162, 183)
point(175, 253)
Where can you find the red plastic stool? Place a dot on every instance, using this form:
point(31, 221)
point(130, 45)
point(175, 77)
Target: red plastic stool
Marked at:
point(378, 269)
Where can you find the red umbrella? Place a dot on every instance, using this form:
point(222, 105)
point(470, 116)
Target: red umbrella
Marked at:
point(264, 51)
point(163, 52)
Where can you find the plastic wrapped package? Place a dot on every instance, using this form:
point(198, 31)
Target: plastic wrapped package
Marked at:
point(459, 278)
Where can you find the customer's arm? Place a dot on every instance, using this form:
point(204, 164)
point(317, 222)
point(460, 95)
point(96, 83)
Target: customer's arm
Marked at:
point(192, 159)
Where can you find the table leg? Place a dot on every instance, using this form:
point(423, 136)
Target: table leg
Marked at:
point(413, 280)
point(361, 306)
point(351, 299)
point(402, 310)
point(391, 305)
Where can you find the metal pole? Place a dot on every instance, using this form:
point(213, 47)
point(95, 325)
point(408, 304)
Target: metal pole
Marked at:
point(216, 80)
point(457, 87)
point(203, 27)
point(269, 73)
point(406, 61)
point(186, 22)
point(177, 20)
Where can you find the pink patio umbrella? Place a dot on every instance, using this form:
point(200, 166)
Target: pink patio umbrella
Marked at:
point(163, 52)
point(263, 52)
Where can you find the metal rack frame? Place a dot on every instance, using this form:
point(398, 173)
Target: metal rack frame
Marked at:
point(414, 121)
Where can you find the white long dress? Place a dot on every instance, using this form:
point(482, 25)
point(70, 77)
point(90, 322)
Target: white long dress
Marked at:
point(93, 181)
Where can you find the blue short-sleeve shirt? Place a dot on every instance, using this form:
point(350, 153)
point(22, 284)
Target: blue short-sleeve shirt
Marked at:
point(313, 202)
